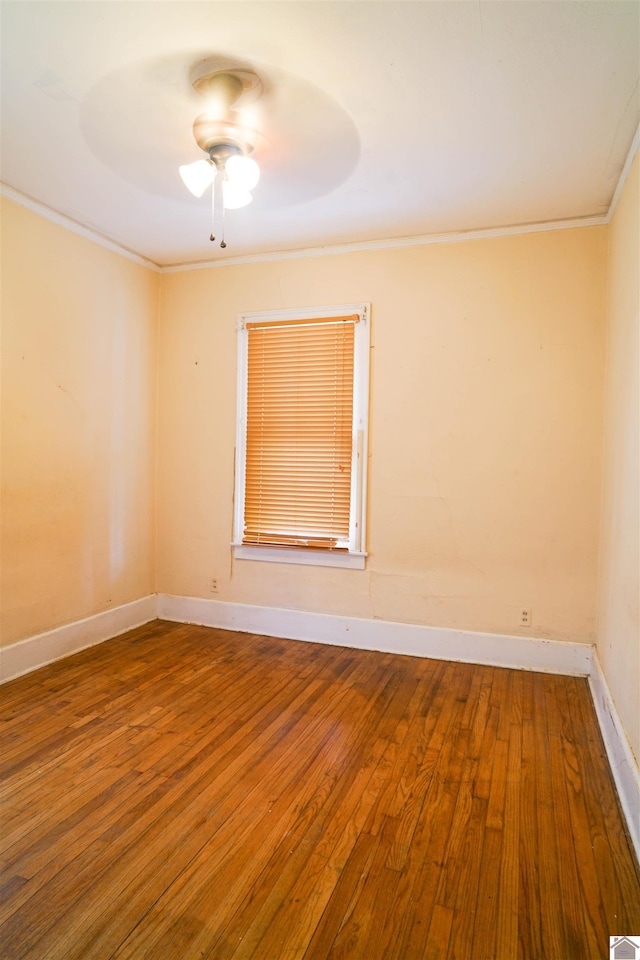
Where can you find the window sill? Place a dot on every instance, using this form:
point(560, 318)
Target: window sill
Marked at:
point(314, 558)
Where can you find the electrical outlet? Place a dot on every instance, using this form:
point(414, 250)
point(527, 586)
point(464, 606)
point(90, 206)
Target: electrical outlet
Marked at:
point(525, 617)
point(213, 585)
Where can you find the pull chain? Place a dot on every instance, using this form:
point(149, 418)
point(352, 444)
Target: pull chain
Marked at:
point(223, 242)
point(218, 184)
point(213, 208)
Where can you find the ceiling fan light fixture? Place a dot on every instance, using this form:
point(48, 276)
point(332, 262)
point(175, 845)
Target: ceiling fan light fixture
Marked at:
point(235, 196)
point(221, 134)
point(197, 176)
point(242, 172)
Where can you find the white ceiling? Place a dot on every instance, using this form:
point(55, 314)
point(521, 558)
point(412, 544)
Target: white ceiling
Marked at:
point(381, 119)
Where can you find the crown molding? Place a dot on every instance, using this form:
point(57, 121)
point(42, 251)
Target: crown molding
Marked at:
point(331, 250)
point(422, 240)
point(633, 149)
point(62, 221)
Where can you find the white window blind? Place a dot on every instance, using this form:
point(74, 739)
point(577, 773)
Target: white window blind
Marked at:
point(301, 470)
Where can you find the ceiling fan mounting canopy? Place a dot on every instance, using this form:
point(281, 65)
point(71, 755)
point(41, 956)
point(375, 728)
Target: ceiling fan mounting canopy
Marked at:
point(230, 83)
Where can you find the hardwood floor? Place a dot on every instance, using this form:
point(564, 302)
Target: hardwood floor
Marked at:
point(181, 792)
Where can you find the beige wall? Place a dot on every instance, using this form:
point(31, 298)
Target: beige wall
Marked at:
point(619, 621)
point(487, 408)
point(78, 396)
point(486, 425)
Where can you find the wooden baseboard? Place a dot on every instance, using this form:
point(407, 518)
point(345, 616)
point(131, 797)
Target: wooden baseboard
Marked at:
point(524, 653)
point(34, 652)
point(624, 766)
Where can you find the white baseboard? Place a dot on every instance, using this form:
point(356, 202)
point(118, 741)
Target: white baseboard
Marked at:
point(34, 652)
point(624, 766)
point(524, 653)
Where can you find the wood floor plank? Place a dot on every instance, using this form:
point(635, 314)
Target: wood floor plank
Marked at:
point(150, 855)
point(553, 933)
point(570, 893)
point(529, 917)
point(311, 799)
point(183, 792)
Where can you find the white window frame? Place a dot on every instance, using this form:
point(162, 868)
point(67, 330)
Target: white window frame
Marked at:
point(354, 556)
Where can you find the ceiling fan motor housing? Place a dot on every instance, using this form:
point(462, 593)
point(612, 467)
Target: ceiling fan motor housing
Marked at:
point(227, 91)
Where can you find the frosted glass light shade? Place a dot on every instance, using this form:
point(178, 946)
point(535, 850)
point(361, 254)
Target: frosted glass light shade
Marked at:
point(235, 196)
point(197, 176)
point(242, 172)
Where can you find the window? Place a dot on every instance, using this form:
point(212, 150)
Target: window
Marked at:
point(301, 450)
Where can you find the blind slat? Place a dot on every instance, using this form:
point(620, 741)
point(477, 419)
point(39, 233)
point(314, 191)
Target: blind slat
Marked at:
point(310, 323)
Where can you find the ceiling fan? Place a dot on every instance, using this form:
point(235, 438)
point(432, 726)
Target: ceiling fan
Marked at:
point(220, 133)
